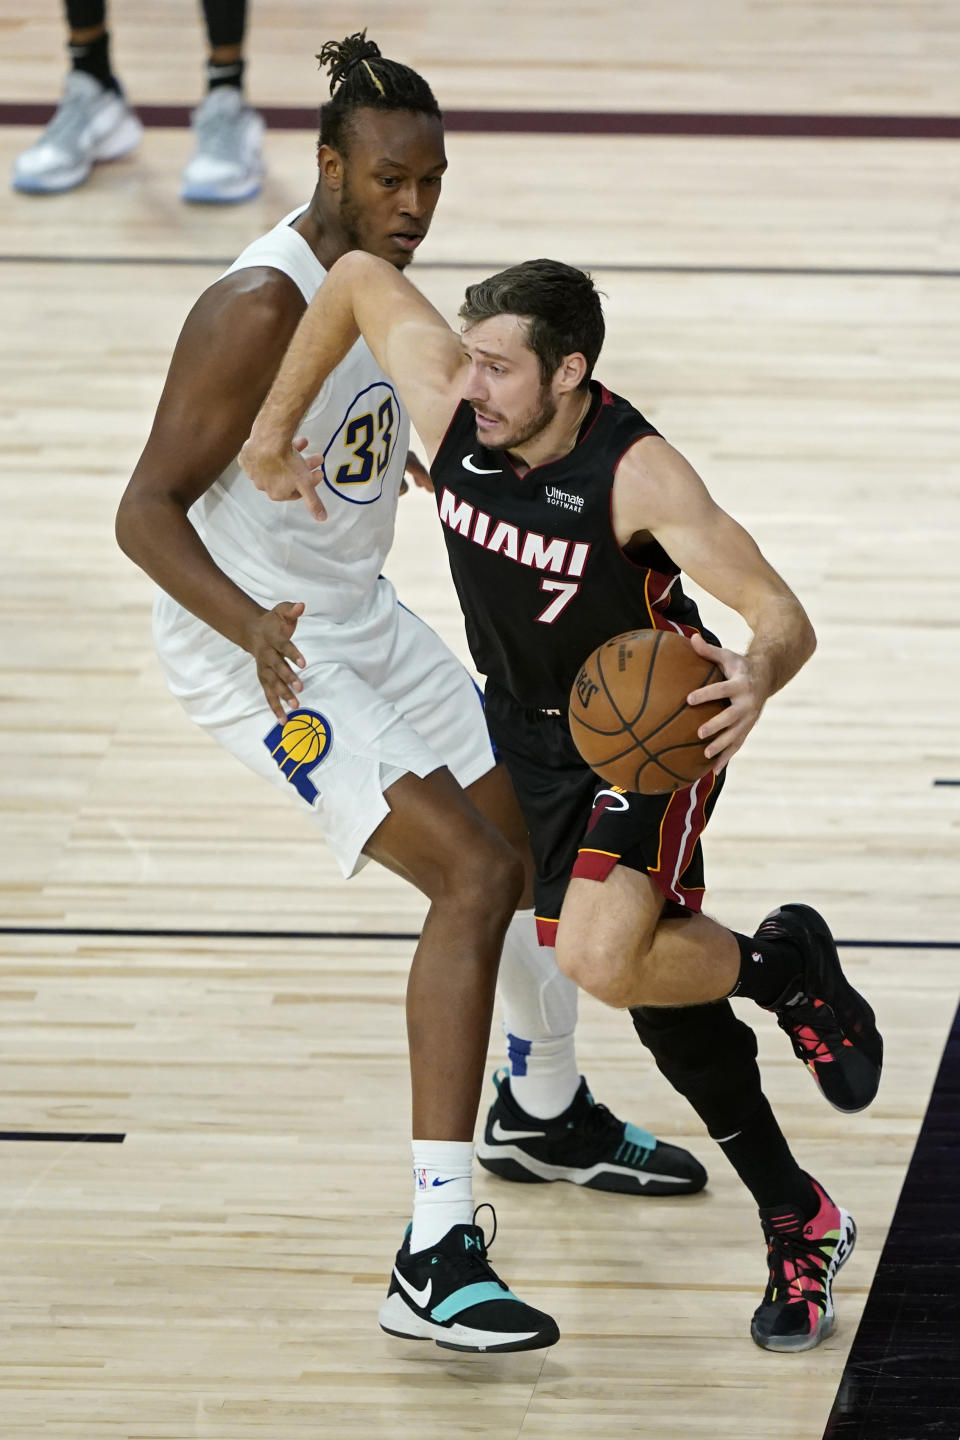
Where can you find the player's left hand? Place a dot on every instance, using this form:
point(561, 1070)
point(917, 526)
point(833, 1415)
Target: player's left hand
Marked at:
point(292, 475)
point(727, 731)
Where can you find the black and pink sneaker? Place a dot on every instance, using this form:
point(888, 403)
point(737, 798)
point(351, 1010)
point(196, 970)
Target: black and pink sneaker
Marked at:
point(796, 1312)
point(831, 1027)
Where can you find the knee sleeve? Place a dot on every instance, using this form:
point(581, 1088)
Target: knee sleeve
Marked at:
point(709, 1056)
point(538, 1001)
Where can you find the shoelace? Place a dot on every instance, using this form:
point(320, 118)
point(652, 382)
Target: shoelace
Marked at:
point(473, 1264)
point(601, 1123)
point(485, 1205)
point(812, 1029)
point(769, 929)
point(807, 1261)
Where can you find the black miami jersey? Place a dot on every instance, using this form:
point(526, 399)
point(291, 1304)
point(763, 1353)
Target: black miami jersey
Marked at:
point(541, 578)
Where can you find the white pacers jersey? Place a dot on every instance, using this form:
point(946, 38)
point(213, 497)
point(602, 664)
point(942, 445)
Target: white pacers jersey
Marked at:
point(382, 695)
point(278, 551)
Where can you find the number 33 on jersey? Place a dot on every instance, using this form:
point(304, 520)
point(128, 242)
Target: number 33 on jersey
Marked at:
point(358, 455)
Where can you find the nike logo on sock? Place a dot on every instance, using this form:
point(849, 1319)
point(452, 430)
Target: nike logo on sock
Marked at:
point(498, 1133)
point(419, 1297)
point(438, 1181)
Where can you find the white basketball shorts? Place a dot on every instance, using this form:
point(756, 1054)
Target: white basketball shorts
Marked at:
point(382, 697)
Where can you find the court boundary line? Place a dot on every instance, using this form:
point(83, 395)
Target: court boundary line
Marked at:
point(399, 936)
point(67, 1137)
point(705, 124)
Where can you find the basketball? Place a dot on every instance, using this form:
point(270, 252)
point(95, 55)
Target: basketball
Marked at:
point(629, 716)
point(303, 738)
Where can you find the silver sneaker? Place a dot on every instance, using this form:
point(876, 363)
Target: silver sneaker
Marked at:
point(227, 164)
point(91, 124)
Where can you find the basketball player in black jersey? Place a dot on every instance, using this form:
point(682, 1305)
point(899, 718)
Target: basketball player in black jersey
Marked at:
point(568, 518)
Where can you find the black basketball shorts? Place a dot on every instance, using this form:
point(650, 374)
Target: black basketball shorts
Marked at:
point(581, 826)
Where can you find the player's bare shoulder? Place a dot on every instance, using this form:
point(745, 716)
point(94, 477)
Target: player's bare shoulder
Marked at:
point(228, 351)
point(651, 485)
point(257, 306)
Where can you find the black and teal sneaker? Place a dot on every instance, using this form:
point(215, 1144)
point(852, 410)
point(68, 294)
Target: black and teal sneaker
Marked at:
point(450, 1294)
point(586, 1145)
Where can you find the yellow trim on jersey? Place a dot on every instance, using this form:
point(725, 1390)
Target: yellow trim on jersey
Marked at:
point(589, 850)
point(646, 600)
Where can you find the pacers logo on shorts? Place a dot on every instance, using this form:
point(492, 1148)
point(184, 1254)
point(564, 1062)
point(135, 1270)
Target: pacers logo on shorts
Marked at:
point(298, 744)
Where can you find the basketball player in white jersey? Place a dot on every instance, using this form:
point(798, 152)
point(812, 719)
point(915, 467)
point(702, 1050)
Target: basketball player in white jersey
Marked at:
point(284, 642)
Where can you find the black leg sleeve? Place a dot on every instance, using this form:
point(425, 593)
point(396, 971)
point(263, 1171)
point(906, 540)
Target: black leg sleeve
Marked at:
point(710, 1057)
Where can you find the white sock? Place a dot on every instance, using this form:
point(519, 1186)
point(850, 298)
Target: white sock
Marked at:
point(442, 1189)
point(539, 1016)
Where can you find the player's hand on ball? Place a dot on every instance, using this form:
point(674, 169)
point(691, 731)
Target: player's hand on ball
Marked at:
point(727, 731)
point(271, 645)
point(285, 475)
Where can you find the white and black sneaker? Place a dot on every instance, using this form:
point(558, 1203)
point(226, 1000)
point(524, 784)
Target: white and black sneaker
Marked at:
point(586, 1145)
point(450, 1294)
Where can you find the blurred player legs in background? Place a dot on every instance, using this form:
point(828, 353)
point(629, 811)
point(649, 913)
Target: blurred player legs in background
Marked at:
point(94, 123)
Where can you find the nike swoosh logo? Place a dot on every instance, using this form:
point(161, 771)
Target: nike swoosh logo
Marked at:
point(499, 1133)
point(438, 1181)
point(467, 463)
point(419, 1297)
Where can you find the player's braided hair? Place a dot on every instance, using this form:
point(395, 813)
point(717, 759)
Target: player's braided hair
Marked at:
point(360, 76)
point(561, 304)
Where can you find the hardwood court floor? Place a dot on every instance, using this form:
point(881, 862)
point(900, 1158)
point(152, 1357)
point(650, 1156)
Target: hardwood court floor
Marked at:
point(217, 1273)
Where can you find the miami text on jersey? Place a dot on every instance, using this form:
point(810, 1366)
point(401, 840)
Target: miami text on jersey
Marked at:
point(540, 552)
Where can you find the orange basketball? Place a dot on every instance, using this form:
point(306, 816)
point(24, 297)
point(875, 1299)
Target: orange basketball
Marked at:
point(629, 716)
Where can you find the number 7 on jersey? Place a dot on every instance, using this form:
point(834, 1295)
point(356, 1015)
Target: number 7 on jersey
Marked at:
point(566, 589)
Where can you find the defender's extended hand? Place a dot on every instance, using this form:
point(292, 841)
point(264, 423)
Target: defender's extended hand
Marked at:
point(728, 730)
point(269, 642)
point(289, 475)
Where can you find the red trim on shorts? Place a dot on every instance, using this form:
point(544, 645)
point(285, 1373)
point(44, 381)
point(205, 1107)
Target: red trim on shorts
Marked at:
point(593, 864)
point(680, 829)
point(546, 931)
point(692, 899)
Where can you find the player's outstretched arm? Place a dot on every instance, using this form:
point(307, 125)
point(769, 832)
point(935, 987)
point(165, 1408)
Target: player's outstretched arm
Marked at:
point(408, 337)
point(657, 491)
